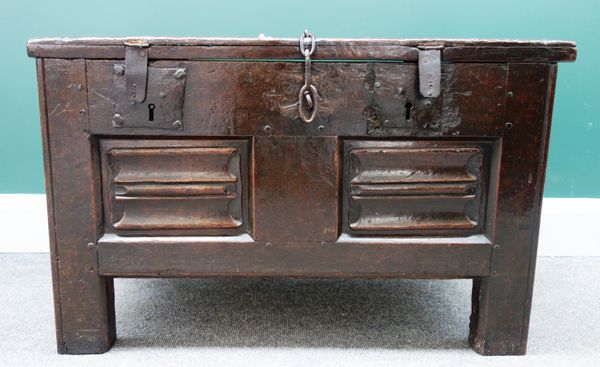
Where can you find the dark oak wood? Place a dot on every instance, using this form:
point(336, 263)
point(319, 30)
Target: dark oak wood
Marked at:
point(291, 175)
point(84, 299)
point(162, 187)
point(214, 173)
point(346, 257)
point(356, 99)
point(416, 187)
point(502, 301)
point(327, 49)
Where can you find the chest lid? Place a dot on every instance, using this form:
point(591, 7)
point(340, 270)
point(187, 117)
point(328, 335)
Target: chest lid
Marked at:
point(327, 49)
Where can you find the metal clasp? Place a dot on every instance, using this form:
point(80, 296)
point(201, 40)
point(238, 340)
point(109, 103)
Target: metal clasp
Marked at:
point(308, 95)
point(136, 70)
point(430, 71)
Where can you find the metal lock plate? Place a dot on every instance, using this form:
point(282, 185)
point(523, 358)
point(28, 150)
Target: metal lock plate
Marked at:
point(396, 107)
point(162, 107)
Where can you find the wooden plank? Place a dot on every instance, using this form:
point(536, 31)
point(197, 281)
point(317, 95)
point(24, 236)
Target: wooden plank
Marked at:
point(502, 301)
point(76, 51)
point(242, 256)
point(296, 196)
point(83, 299)
point(509, 54)
point(221, 99)
point(274, 41)
point(325, 52)
point(49, 201)
point(327, 49)
point(474, 99)
point(243, 98)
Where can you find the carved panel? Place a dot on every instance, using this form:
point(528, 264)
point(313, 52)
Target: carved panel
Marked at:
point(174, 187)
point(412, 187)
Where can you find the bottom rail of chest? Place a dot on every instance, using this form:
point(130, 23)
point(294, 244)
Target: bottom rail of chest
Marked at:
point(242, 256)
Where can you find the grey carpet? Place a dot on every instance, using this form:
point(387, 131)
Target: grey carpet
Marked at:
point(260, 322)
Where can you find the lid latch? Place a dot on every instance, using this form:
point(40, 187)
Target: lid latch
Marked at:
point(136, 70)
point(430, 71)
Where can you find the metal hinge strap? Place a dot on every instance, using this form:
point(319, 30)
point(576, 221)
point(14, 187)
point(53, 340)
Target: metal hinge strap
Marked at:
point(430, 72)
point(136, 70)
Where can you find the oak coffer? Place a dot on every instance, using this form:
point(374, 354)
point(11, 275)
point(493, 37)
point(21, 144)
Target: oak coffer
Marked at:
point(198, 157)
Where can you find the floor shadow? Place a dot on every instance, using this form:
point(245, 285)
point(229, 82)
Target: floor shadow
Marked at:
point(235, 312)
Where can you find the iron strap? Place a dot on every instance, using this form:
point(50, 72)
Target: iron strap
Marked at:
point(136, 70)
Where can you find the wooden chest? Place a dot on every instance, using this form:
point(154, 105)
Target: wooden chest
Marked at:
point(198, 157)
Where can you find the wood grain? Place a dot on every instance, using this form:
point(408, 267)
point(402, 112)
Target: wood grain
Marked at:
point(296, 195)
point(502, 301)
point(346, 257)
point(84, 300)
point(327, 49)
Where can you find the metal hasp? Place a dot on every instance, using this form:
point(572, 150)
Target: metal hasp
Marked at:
point(430, 72)
point(136, 67)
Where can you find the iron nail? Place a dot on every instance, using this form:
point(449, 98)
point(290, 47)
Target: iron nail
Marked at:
point(179, 74)
point(119, 69)
point(117, 120)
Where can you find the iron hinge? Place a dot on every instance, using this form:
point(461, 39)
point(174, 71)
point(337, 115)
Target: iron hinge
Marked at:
point(136, 69)
point(430, 71)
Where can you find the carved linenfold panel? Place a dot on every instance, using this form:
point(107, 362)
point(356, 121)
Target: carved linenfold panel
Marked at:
point(408, 187)
point(161, 186)
point(415, 212)
point(175, 165)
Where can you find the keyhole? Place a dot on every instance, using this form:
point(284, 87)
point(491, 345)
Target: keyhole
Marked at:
point(151, 107)
point(407, 107)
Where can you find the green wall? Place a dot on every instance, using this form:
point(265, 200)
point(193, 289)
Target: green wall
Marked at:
point(574, 166)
